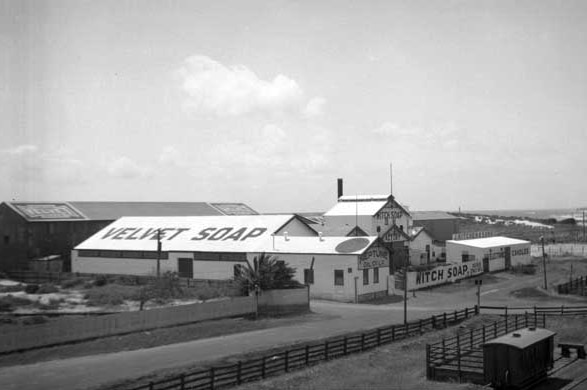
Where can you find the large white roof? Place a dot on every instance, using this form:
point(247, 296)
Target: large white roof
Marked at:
point(489, 242)
point(249, 234)
point(360, 207)
point(243, 233)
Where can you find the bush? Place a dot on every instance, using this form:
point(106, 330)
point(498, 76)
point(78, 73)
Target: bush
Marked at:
point(209, 292)
point(10, 302)
point(34, 320)
point(101, 280)
point(52, 305)
point(31, 288)
point(47, 289)
point(111, 294)
point(74, 282)
point(525, 269)
point(14, 288)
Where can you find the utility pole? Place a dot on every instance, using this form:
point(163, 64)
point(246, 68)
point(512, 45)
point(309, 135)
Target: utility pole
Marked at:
point(158, 253)
point(478, 283)
point(544, 262)
point(407, 260)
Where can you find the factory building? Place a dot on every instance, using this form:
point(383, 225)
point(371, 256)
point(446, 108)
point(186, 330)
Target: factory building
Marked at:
point(339, 268)
point(34, 230)
point(497, 253)
point(439, 224)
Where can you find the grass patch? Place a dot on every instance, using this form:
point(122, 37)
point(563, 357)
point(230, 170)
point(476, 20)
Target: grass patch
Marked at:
point(524, 269)
point(530, 292)
point(110, 295)
point(9, 303)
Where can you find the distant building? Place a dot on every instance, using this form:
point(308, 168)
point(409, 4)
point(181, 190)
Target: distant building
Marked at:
point(497, 253)
point(439, 224)
point(32, 230)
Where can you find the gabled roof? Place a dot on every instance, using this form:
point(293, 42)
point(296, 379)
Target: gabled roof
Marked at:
point(368, 205)
point(416, 230)
point(249, 234)
point(109, 211)
point(431, 215)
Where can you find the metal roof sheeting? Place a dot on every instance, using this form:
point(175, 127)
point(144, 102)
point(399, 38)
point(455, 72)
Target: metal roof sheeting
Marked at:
point(431, 215)
point(315, 245)
point(356, 208)
point(489, 242)
point(526, 337)
point(248, 233)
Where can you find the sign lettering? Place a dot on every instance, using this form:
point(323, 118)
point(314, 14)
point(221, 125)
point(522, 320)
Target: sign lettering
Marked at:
point(46, 211)
point(471, 235)
point(374, 258)
point(444, 274)
point(168, 234)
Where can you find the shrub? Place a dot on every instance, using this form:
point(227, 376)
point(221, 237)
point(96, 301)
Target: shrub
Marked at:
point(209, 292)
point(10, 302)
point(31, 288)
point(14, 288)
point(47, 288)
point(53, 304)
point(101, 280)
point(111, 294)
point(525, 269)
point(74, 282)
point(34, 320)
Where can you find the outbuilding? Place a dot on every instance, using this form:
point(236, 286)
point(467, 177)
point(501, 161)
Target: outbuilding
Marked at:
point(339, 268)
point(498, 253)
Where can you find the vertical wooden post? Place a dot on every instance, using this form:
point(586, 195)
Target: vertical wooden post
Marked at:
point(212, 378)
point(326, 350)
point(182, 381)
point(525, 319)
point(443, 349)
point(378, 336)
point(483, 332)
point(455, 316)
point(344, 346)
point(420, 326)
point(151, 385)
point(286, 360)
point(471, 338)
point(459, 356)
point(428, 363)
point(362, 341)
point(516, 322)
point(239, 371)
point(433, 322)
point(444, 318)
point(506, 324)
point(307, 355)
point(263, 367)
point(466, 312)
point(495, 329)
point(393, 333)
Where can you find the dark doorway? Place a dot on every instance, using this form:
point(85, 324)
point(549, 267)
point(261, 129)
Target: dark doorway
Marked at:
point(486, 264)
point(508, 257)
point(185, 268)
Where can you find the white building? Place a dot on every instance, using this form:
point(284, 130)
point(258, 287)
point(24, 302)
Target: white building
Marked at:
point(339, 268)
point(497, 253)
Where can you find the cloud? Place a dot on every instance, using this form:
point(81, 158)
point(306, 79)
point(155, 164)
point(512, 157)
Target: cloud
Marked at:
point(172, 157)
point(126, 168)
point(393, 129)
point(216, 89)
point(315, 107)
point(29, 163)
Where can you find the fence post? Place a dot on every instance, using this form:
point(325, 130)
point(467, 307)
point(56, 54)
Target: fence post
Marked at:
point(239, 371)
point(393, 333)
point(535, 317)
point(506, 312)
point(562, 310)
point(477, 309)
point(428, 368)
point(483, 332)
point(420, 326)
point(151, 385)
point(443, 349)
point(495, 329)
point(287, 360)
point(263, 364)
point(516, 322)
point(455, 316)
point(182, 381)
point(212, 378)
point(459, 356)
point(344, 346)
point(471, 338)
point(433, 322)
point(378, 336)
point(307, 355)
point(525, 319)
point(444, 317)
point(544, 320)
point(466, 312)
point(362, 341)
point(326, 350)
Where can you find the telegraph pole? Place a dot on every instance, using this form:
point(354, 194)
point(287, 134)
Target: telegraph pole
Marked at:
point(407, 260)
point(158, 253)
point(544, 262)
point(478, 283)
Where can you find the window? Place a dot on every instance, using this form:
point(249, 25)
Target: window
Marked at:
point(309, 276)
point(338, 277)
point(365, 277)
point(401, 227)
point(375, 275)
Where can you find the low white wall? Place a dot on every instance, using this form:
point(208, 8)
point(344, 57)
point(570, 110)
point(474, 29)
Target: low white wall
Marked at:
point(120, 266)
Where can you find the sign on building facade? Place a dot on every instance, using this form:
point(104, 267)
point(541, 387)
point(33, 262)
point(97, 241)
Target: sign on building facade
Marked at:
point(375, 257)
point(443, 274)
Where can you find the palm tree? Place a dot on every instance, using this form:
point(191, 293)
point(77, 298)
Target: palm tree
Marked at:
point(266, 273)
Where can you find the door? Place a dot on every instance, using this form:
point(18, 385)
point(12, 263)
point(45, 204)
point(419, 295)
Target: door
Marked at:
point(508, 257)
point(185, 267)
point(486, 264)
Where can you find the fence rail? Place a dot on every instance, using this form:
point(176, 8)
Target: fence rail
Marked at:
point(575, 286)
point(461, 356)
point(540, 310)
point(303, 356)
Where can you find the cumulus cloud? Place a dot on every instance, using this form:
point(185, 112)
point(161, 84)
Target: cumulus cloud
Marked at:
point(217, 89)
point(29, 163)
point(126, 168)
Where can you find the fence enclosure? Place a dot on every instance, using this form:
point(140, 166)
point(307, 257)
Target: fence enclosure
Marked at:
point(577, 286)
point(461, 357)
point(303, 356)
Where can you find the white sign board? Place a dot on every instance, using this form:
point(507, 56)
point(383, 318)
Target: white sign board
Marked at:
point(374, 258)
point(444, 274)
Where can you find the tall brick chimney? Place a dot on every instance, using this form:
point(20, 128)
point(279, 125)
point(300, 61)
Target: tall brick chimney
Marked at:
point(339, 181)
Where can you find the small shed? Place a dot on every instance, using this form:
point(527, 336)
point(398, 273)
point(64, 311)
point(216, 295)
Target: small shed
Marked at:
point(518, 358)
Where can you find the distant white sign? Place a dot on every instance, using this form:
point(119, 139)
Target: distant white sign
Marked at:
point(443, 274)
point(374, 258)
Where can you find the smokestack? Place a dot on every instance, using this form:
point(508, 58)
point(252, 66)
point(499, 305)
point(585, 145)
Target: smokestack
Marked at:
point(339, 187)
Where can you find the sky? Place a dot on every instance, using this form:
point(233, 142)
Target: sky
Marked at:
point(475, 104)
